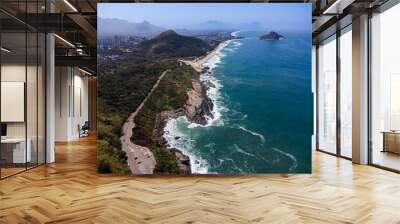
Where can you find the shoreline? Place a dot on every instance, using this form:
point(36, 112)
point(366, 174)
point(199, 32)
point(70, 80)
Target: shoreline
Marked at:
point(197, 65)
point(195, 110)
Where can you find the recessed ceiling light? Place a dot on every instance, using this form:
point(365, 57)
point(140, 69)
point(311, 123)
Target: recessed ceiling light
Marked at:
point(70, 5)
point(64, 40)
point(86, 72)
point(338, 6)
point(5, 50)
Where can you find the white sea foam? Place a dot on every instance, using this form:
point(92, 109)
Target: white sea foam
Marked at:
point(238, 169)
point(234, 34)
point(294, 160)
point(213, 90)
point(216, 58)
point(242, 151)
point(253, 133)
point(177, 139)
point(225, 160)
point(236, 43)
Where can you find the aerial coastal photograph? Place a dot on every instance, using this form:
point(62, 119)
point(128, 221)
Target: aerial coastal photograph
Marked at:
point(204, 88)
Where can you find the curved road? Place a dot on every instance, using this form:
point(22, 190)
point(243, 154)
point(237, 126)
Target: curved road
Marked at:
point(140, 159)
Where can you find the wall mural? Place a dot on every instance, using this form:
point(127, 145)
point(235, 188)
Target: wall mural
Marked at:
point(204, 88)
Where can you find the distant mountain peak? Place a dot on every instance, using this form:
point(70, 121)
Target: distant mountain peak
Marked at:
point(171, 44)
point(167, 33)
point(212, 25)
point(214, 21)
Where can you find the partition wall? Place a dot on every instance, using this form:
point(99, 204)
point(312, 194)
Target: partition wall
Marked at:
point(345, 91)
point(327, 78)
point(334, 76)
point(22, 76)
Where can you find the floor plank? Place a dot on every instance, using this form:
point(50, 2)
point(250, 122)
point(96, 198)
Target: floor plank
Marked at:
point(70, 191)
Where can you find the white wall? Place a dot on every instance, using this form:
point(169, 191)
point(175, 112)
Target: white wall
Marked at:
point(10, 73)
point(71, 102)
point(346, 75)
point(33, 126)
point(80, 110)
point(62, 82)
point(17, 73)
point(314, 91)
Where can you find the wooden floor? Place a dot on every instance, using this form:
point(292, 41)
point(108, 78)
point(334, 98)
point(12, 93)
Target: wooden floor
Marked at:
point(70, 191)
point(387, 159)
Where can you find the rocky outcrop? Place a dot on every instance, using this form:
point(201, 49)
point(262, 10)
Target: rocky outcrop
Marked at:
point(182, 160)
point(272, 36)
point(198, 105)
point(161, 121)
point(197, 108)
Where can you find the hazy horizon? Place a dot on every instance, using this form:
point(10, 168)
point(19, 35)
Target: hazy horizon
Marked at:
point(187, 15)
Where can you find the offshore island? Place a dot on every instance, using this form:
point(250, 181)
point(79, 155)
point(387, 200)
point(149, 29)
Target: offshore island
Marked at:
point(272, 36)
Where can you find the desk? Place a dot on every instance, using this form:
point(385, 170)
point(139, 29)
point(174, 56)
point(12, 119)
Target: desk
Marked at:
point(391, 141)
point(13, 150)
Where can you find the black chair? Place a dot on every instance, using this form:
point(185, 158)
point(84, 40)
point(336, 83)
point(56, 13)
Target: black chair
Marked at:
point(84, 130)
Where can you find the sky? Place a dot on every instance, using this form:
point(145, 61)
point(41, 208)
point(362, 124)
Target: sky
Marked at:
point(289, 16)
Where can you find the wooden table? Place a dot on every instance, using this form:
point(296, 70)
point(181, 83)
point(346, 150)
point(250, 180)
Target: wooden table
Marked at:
point(391, 141)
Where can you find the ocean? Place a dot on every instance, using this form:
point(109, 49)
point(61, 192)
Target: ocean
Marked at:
point(263, 112)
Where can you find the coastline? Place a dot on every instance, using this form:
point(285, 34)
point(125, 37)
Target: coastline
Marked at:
point(197, 109)
point(198, 105)
point(197, 63)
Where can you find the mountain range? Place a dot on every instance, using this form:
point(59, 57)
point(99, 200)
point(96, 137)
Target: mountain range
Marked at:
point(219, 25)
point(114, 26)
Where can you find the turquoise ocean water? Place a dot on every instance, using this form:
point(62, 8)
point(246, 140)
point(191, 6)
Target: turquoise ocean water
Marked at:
point(262, 98)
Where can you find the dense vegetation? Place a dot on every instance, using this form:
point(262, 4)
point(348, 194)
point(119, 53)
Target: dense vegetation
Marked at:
point(119, 93)
point(170, 95)
point(125, 84)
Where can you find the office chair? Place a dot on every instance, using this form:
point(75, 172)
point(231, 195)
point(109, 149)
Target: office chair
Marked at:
point(84, 130)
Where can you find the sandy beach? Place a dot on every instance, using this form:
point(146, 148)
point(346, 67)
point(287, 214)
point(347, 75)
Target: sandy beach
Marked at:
point(197, 63)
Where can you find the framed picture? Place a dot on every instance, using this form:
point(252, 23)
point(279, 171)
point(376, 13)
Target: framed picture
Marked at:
point(204, 88)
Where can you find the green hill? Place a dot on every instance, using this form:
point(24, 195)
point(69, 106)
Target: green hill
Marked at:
point(170, 44)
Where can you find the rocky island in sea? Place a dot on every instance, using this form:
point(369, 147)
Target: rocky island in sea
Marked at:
point(272, 36)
